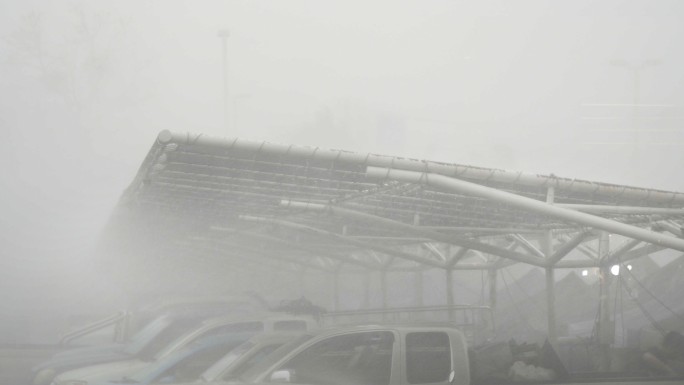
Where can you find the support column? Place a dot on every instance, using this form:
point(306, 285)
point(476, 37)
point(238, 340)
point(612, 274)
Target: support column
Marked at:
point(547, 250)
point(366, 290)
point(552, 326)
point(492, 277)
point(606, 326)
point(551, 304)
point(383, 288)
point(450, 292)
point(336, 291)
point(301, 276)
point(383, 283)
point(418, 281)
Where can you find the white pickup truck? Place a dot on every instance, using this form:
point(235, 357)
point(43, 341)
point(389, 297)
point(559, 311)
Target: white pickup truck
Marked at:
point(400, 355)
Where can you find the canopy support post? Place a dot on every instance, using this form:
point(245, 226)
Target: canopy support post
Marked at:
point(450, 292)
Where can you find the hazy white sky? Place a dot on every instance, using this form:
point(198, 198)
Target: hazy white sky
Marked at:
point(525, 85)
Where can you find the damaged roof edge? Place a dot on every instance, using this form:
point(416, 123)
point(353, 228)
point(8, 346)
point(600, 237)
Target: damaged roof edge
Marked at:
point(452, 170)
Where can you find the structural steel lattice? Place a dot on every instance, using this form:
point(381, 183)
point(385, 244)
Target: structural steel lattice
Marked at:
point(262, 203)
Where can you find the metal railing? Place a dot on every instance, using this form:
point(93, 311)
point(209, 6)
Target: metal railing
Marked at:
point(476, 322)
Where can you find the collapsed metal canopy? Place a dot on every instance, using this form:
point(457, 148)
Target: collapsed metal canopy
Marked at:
point(256, 203)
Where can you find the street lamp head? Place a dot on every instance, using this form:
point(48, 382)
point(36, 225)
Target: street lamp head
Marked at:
point(223, 33)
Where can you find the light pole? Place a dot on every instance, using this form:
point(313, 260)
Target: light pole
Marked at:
point(223, 35)
point(236, 99)
point(636, 70)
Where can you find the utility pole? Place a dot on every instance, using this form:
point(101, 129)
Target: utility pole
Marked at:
point(223, 35)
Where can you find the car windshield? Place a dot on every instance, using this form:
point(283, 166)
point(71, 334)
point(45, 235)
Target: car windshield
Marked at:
point(145, 335)
point(241, 331)
point(187, 363)
point(256, 370)
point(223, 363)
point(159, 366)
point(159, 338)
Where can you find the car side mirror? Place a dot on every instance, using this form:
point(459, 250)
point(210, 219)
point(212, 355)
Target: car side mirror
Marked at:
point(283, 376)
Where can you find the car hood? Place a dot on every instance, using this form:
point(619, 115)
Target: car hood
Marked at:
point(198, 382)
point(103, 372)
point(88, 350)
point(77, 361)
point(226, 383)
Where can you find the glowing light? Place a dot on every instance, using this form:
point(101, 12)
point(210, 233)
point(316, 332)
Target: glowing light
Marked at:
point(615, 269)
point(629, 267)
point(585, 273)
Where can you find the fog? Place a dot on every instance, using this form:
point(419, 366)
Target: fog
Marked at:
point(533, 86)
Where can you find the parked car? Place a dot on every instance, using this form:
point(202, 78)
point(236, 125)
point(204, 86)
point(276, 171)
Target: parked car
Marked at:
point(417, 354)
point(212, 357)
point(181, 366)
point(120, 327)
point(247, 326)
point(143, 345)
point(154, 326)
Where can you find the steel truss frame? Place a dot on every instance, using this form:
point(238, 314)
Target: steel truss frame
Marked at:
point(257, 204)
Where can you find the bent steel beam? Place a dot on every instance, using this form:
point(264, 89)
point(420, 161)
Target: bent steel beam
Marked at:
point(585, 219)
point(446, 238)
point(481, 231)
point(527, 245)
point(364, 245)
point(629, 210)
point(310, 250)
point(677, 230)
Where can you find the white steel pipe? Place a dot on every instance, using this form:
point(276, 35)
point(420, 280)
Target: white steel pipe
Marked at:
point(452, 170)
point(310, 250)
point(527, 245)
point(463, 187)
point(576, 264)
point(676, 229)
point(629, 210)
point(567, 247)
point(365, 245)
point(416, 230)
